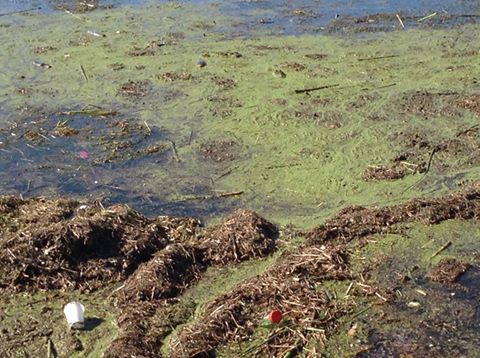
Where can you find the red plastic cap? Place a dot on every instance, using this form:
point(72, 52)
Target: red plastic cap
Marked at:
point(275, 316)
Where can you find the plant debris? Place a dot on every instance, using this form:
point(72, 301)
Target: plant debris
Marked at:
point(134, 89)
point(243, 236)
point(60, 244)
point(448, 270)
point(75, 246)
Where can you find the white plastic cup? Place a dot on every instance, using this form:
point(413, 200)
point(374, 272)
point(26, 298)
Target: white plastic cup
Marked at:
point(74, 314)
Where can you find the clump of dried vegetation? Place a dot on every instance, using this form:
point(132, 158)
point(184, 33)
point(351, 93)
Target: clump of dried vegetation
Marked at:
point(59, 244)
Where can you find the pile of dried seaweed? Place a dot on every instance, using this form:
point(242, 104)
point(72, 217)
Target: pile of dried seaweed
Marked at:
point(157, 283)
point(356, 221)
point(291, 286)
point(243, 236)
point(51, 244)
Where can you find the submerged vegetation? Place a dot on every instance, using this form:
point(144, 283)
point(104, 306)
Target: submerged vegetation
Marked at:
point(361, 152)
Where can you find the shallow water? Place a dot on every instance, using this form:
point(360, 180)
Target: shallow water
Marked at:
point(279, 17)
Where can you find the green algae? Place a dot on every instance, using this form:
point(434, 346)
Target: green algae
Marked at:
point(40, 317)
point(443, 322)
point(303, 154)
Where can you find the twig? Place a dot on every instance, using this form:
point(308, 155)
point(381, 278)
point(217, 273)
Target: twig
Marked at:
point(356, 315)
point(348, 289)
point(400, 20)
point(148, 128)
point(116, 290)
point(381, 297)
point(190, 138)
point(174, 150)
point(72, 14)
point(228, 172)
point(233, 193)
point(11, 253)
point(279, 166)
point(377, 58)
point(375, 88)
point(440, 250)
point(51, 352)
point(436, 149)
point(84, 73)
point(386, 86)
point(266, 341)
point(308, 90)
point(427, 17)
point(91, 112)
point(207, 197)
point(459, 134)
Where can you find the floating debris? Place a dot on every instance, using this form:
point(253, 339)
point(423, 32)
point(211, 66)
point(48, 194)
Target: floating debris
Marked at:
point(413, 304)
point(201, 63)
point(95, 34)
point(84, 154)
point(41, 64)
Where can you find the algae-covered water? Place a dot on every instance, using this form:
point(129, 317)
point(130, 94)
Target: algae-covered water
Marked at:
point(292, 109)
point(168, 136)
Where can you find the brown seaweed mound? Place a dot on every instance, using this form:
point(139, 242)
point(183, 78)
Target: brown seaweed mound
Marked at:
point(156, 285)
point(242, 236)
point(55, 244)
point(291, 286)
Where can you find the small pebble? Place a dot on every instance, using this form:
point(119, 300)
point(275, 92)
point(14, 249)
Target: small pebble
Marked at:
point(201, 63)
point(279, 73)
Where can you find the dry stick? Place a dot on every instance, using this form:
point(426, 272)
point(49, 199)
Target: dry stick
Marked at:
point(51, 353)
point(308, 90)
point(84, 73)
point(206, 197)
point(375, 88)
point(174, 150)
point(475, 126)
point(400, 20)
point(386, 86)
point(436, 149)
point(266, 341)
point(440, 250)
point(356, 315)
point(228, 172)
point(377, 58)
point(148, 128)
point(427, 17)
point(190, 138)
point(72, 14)
point(348, 289)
